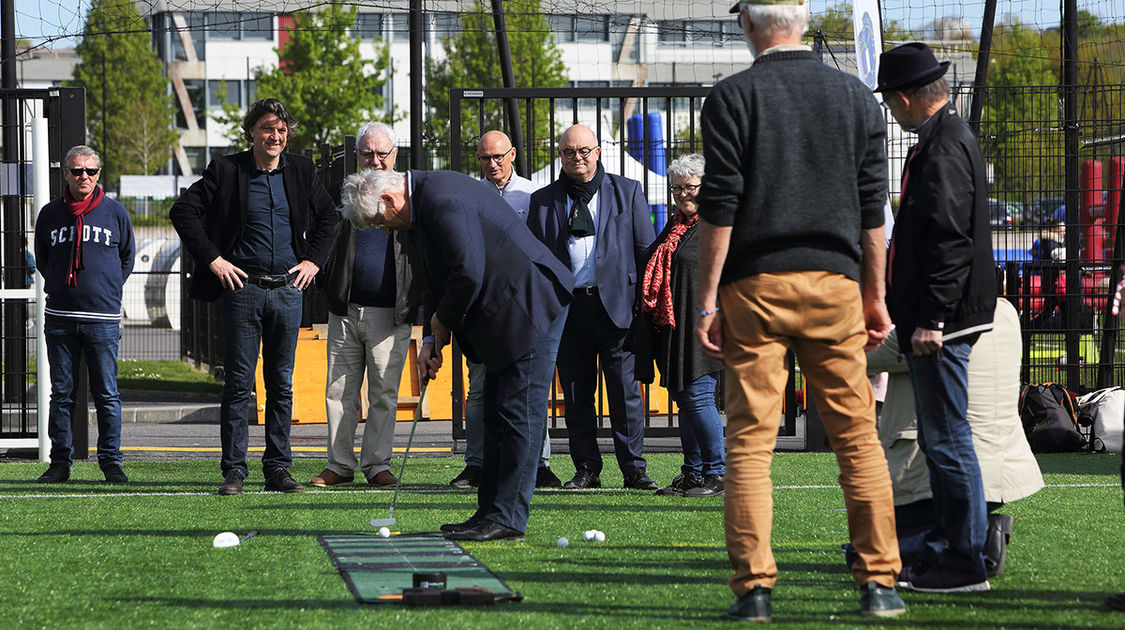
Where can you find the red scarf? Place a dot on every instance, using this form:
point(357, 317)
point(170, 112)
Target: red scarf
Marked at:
point(656, 290)
point(78, 209)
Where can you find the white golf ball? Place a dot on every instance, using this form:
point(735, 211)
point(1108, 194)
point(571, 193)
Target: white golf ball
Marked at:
point(563, 542)
point(589, 535)
point(599, 535)
point(384, 532)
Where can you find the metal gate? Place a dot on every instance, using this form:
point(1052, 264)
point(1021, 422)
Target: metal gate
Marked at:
point(39, 126)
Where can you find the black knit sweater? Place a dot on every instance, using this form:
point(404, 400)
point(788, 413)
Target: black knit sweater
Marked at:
point(796, 165)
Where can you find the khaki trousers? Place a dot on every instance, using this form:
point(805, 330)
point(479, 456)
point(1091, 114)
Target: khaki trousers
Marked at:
point(820, 316)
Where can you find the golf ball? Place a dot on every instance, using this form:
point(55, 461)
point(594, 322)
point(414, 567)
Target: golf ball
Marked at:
point(589, 535)
point(563, 542)
point(599, 535)
point(384, 532)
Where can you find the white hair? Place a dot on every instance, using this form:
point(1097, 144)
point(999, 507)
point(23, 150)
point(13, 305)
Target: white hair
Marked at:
point(690, 165)
point(781, 18)
point(361, 194)
point(372, 127)
point(80, 150)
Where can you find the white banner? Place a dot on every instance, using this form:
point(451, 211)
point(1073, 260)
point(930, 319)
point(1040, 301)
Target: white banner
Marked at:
point(868, 40)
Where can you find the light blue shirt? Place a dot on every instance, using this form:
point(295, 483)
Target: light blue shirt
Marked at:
point(582, 249)
point(517, 192)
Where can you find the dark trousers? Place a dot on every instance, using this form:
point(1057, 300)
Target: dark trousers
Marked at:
point(591, 338)
point(67, 341)
point(515, 421)
point(267, 320)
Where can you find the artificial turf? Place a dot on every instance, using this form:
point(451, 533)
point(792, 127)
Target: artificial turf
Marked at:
point(87, 554)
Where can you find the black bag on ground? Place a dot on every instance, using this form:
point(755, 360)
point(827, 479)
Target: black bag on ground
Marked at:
point(1049, 419)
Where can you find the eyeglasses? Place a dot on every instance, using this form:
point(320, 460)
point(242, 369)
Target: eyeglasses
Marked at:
point(499, 157)
point(77, 172)
point(582, 152)
point(382, 155)
point(686, 188)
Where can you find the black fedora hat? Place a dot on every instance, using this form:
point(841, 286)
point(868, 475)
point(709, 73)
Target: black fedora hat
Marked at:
point(909, 65)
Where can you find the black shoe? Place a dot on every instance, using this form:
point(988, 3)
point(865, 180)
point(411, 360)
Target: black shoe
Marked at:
point(880, 601)
point(486, 530)
point(936, 578)
point(680, 485)
point(582, 480)
point(638, 480)
point(753, 606)
point(996, 543)
point(55, 473)
point(469, 478)
point(469, 523)
point(712, 486)
point(114, 474)
point(232, 484)
point(281, 481)
point(546, 478)
point(1116, 602)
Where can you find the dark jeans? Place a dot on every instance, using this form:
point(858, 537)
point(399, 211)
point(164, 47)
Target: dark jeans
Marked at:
point(68, 340)
point(941, 398)
point(267, 319)
point(701, 428)
point(515, 421)
point(589, 340)
point(914, 522)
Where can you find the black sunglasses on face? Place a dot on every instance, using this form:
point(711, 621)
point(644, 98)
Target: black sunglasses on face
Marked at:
point(77, 172)
point(382, 155)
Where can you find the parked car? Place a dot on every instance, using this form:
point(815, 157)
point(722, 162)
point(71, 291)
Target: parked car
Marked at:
point(1003, 214)
point(1041, 209)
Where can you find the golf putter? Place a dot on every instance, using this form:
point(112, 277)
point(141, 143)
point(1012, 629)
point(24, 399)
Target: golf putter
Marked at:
point(390, 520)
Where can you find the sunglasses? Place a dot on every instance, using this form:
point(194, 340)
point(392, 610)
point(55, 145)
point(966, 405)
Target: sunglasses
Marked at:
point(582, 152)
point(382, 155)
point(77, 172)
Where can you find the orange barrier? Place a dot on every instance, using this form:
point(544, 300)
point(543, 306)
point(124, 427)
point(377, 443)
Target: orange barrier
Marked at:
point(310, 380)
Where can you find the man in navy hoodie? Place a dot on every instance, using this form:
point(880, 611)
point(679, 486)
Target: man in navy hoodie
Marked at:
point(84, 249)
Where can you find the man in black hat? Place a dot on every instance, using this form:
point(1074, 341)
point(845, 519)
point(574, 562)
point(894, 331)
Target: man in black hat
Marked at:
point(941, 293)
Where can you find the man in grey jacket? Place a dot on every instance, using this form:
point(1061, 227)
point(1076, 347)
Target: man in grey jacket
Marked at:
point(373, 301)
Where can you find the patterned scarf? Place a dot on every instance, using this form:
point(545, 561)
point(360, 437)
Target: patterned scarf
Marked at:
point(78, 209)
point(581, 221)
point(656, 292)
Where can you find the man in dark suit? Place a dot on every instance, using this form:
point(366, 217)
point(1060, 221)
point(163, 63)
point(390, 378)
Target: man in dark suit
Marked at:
point(598, 225)
point(504, 294)
point(259, 226)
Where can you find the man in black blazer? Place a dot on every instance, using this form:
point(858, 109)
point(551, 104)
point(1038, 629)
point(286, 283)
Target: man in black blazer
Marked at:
point(259, 226)
point(504, 295)
point(598, 225)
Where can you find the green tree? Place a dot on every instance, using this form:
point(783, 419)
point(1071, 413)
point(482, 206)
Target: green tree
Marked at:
point(129, 107)
point(472, 61)
point(323, 80)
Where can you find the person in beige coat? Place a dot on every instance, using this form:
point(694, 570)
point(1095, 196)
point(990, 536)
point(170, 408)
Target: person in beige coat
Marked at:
point(1008, 468)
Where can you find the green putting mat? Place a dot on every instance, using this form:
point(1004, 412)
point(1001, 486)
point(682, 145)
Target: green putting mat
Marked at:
point(378, 569)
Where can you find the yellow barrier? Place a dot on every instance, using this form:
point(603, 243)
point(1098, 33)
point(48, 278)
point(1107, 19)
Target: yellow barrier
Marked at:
point(310, 379)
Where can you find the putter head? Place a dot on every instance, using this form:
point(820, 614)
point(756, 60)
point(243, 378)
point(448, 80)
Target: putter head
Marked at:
point(382, 522)
point(225, 539)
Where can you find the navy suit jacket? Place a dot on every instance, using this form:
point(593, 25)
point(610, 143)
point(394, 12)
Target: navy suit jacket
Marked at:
point(210, 215)
point(488, 279)
point(624, 231)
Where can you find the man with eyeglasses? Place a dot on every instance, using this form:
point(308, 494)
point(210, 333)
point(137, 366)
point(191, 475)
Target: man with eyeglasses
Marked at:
point(84, 249)
point(259, 226)
point(373, 301)
point(599, 225)
point(792, 255)
point(496, 156)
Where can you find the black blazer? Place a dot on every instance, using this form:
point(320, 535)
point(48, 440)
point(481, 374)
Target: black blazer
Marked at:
point(488, 278)
point(211, 214)
point(624, 231)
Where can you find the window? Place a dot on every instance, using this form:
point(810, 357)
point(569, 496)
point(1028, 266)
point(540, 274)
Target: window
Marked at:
point(591, 28)
point(222, 25)
point(257, 26)
point(196, 92)
point(562, 26)
point(400, 27)
point(671, 31)
point(194, 24)
point(218, 90)
point(368, 26)
point(196, 158)
point(619, 30)
point(445, 24)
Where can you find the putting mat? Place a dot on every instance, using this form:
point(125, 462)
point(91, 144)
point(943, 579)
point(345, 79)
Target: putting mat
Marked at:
point(378, 569)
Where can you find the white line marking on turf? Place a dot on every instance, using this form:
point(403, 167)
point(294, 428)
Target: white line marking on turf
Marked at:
point(331, 493)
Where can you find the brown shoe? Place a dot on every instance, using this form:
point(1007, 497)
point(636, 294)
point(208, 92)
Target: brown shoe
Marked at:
point(384, 479)
point(329, 478)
